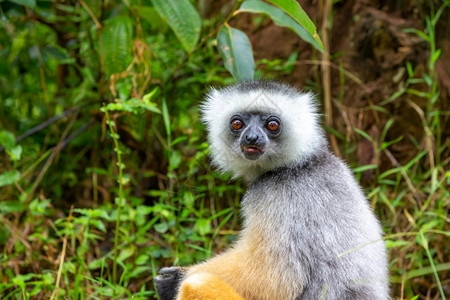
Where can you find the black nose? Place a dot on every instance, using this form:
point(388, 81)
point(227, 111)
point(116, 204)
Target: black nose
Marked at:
point(251, 139)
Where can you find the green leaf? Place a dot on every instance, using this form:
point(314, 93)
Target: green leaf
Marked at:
point(397, 243)
point(39, 207)
point(142, 259)
point(16, 152)
point(9, 177)
point(96, 264)
point(384, 145)
point(11, 207)
point(132, 105)
point(280, 18)
point(57, 53)
point(161, 227)
point(7, 139)
point(125, 253)
point(436, 55)
point(293, 9)
point(410, 69)
point(99, 225)
point(151, 16)
point(203, 226)
point(147, 98)
point(166, 118)
point(175, 160)
point(18, 43)
point(182, 18)
point(117, 38)
point(237, 53)
point(28, 3)
point(363, 134)
point(418, 32)
point(137, 271)
point(364, 168)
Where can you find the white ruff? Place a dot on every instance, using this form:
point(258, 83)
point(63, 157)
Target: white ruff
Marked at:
point(301, 134)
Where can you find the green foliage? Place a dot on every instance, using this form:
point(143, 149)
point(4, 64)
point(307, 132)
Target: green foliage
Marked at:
point(237, 53)
point(183, 19)
point(293, 9)
point(117, 41)
point(282, 19)
point(104, 169)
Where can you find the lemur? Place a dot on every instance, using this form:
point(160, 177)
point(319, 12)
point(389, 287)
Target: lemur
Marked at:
point(308, 230)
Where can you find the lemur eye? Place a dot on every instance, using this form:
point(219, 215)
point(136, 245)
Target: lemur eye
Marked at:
point(273, 125)
point(237, 124)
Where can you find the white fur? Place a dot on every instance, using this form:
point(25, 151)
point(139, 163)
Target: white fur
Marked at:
point(301, 134)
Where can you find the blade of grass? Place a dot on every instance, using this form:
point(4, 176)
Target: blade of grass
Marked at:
point(433, 267)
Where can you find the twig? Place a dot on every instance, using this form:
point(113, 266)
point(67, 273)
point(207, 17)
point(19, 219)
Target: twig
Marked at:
point(404, 175)
point(61, 144)
point(94, 18)
point(428, 135)
point(63, 255)
point(46, 123)
point(41, 63)
point(326, 79)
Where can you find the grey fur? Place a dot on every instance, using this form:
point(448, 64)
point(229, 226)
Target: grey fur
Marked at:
point(310, 208)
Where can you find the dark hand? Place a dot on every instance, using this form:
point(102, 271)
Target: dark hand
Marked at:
point(167, 282)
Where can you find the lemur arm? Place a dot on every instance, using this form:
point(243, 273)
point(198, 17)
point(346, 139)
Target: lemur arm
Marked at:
point(206, 286)
point(212, 279)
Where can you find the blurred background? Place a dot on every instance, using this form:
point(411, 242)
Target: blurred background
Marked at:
point(104, 168)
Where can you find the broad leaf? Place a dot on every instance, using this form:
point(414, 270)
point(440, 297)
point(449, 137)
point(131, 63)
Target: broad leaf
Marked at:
point(152, 17)
point(19, 42)
point(7, 139)
point(237, 53)
point(7, 207)
point(28, 3)
point(293, 9)
point(9, 177)
point(182, 18)
point(117, 39)
point(280, 18)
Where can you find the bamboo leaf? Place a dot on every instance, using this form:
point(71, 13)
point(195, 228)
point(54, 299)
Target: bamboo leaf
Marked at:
point(280, 18)
point(236, 50)
point(182, 18)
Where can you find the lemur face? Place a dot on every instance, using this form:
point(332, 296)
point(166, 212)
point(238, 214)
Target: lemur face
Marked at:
point(255, 127)
point(255, 133)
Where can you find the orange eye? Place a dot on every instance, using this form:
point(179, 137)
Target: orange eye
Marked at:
point(273, 125)
point(236, 124)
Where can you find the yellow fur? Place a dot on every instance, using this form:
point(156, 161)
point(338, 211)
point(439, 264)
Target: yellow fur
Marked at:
point(247, 270)
point(206, 286)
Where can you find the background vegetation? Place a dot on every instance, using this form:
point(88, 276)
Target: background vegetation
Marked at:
point(104, 169)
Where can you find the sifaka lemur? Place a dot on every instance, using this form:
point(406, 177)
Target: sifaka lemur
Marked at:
point(308, 230)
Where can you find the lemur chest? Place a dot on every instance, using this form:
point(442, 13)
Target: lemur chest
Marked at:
point(271, 263)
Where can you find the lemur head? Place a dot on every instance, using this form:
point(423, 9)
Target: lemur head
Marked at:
point(255, 127)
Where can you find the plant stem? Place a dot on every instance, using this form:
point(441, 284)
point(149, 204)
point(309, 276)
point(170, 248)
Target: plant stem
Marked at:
point(119, 204)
